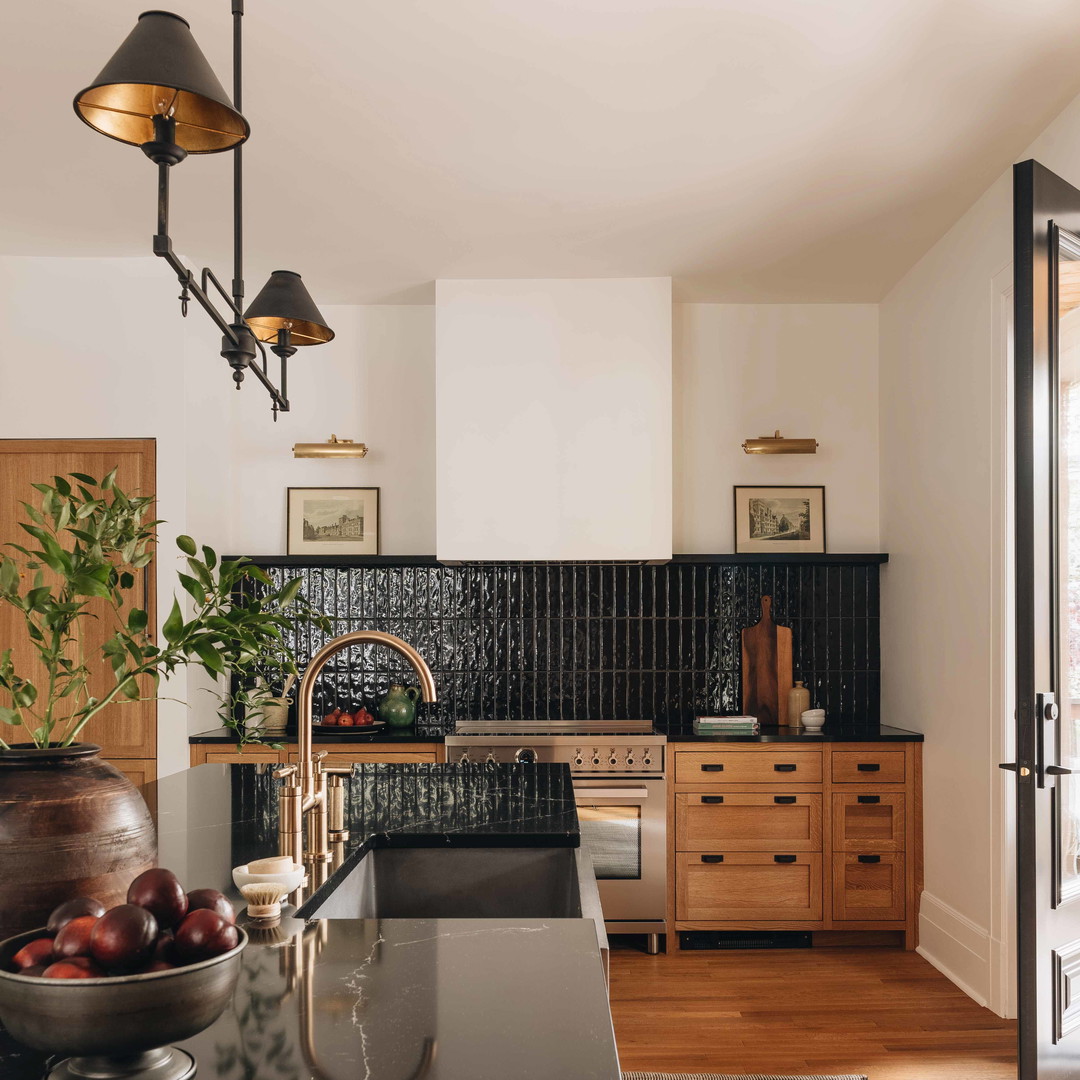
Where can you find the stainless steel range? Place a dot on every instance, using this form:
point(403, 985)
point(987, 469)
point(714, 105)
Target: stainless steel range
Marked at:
point(620, 790)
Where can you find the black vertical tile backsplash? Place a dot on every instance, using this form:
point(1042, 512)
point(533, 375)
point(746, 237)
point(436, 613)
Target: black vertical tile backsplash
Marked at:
point(593, 641)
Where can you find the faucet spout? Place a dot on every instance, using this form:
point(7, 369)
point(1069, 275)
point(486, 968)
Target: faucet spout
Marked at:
point(305, 697)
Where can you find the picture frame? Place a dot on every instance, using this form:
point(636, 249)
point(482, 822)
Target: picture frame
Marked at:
point(332, 521)
point(779, 519)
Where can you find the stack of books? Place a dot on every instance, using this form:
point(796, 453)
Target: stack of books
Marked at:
point(726, 725)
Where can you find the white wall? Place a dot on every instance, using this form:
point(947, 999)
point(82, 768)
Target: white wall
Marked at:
point(554, 419)
point(944, 522)
point(375, 383)
point(744, 370)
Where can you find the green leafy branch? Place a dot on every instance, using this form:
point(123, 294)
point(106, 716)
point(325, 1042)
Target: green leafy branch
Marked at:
point(87, 540)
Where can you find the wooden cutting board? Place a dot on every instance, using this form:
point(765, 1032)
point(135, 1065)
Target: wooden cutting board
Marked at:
point(766, 668)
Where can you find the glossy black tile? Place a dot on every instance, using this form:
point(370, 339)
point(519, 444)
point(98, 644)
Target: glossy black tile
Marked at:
point(540, 641)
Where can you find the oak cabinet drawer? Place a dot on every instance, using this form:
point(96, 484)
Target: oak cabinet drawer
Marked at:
point(748, 886)
point(868, 767)
point(377, 757)
point(246, 757)
point(862, 822)
point(748, 766)
point(747, 821)
point(868, 887)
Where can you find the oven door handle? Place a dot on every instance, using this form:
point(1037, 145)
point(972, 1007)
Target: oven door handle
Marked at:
point(591, 794)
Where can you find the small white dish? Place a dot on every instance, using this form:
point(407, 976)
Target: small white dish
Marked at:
point(289, 879)
point(813, 719)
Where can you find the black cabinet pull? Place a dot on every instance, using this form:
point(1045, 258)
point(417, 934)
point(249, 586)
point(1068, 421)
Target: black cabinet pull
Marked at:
point(869, 858)
point(869, 766)
point(712, 768)
point(783, 798)
point(712, 798)
point(712, 858)
point(785, 768)
point(784, 858)
point(869, 798)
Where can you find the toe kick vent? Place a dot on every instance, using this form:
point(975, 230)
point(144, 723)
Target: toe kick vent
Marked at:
point(745, 939)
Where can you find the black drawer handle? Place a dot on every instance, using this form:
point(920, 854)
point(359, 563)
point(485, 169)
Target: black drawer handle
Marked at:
point(869, 798)
point(712, 768)
point(869, 766)
point(869, 858)
point(712, 798)
point(784, 858)
point(712, 858)
point(785, 768)
point(783, 798)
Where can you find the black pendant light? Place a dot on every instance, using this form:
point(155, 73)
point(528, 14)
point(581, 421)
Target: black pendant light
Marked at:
point(158, 92)
point(159, 70)
point(284, 305)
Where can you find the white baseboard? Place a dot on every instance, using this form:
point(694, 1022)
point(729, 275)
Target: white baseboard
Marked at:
point(959, 948)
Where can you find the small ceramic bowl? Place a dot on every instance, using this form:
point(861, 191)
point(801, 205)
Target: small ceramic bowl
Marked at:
point(813, 719)
point(290, 879)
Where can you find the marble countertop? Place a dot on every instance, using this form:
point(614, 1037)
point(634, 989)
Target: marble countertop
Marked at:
point(391, 999)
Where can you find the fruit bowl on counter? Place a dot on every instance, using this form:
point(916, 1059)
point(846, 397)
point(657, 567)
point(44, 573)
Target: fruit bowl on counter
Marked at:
point(111, 990)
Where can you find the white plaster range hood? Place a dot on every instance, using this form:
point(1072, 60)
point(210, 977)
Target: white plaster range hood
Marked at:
point(553, 419)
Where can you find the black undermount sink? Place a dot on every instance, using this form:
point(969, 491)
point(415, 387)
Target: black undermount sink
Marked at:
point(463, 883)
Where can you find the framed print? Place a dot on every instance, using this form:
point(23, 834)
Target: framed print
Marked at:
point(333, 521)
point(773, 520)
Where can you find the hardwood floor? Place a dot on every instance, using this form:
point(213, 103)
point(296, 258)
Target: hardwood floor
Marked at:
point(882, 1012)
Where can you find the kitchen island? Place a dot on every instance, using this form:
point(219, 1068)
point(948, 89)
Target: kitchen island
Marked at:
point(390, 998)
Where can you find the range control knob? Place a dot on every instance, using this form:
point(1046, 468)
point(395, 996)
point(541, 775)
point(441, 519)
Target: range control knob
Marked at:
point(491, 758)
point(525, 756)
point(578, 759)
point(464, 759)
point(629, 755)
point(613, 760)
point(595, 756)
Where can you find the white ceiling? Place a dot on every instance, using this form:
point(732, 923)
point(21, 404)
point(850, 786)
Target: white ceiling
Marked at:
point(755, 150)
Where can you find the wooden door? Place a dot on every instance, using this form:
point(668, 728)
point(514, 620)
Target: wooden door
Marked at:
point(126, 732)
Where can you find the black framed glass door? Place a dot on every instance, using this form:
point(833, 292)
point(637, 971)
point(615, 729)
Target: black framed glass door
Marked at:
point(1047, 455)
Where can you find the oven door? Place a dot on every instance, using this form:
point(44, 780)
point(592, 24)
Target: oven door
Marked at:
point(623, 827)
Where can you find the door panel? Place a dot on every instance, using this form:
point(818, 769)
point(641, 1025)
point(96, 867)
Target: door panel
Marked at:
point(1047, 507)
point(126, 730)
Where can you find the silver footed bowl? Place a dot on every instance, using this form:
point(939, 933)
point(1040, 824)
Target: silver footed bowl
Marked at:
point(122, 1017)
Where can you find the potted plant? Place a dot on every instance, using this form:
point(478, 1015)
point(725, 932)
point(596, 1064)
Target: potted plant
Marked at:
point(69, 821)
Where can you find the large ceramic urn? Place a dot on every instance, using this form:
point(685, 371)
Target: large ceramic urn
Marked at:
point(70, 824)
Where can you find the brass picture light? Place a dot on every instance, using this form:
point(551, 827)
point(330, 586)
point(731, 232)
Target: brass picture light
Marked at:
point(778, 444)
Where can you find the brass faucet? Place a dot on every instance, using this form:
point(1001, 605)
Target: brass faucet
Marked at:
point(314, 790)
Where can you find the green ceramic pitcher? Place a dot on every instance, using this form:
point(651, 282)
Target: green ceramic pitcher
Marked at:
point(398, 706)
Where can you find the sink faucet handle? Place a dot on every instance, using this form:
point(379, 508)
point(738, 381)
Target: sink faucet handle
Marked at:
point(319, 756)
point(283, 772)
point(338, 770)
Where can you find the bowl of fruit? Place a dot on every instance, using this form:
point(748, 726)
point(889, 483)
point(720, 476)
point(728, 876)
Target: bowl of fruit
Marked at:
point(120, 985)
point(347, 722)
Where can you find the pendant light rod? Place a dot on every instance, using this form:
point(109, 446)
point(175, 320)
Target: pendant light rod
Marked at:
point(238, 164)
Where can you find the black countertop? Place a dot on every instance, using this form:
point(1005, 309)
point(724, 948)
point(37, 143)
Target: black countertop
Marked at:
point(480, 998)
point(381, 735)
point(674, 733)
point(772, 733)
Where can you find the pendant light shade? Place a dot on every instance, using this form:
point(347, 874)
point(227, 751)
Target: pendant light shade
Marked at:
point(159, 70)
point(285, 304)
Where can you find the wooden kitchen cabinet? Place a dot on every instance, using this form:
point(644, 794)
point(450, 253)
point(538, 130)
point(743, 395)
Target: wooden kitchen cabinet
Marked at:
point(767, 765)
point(743, 821)
point(823, 837)
point(752, 885)
point(342, 753)
point(868, 887)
